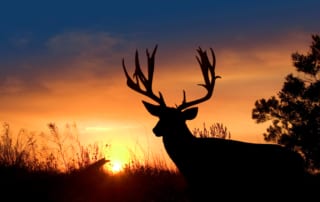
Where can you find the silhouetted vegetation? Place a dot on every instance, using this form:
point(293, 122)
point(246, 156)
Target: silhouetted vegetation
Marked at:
point(216, 130)
point(41, 168)
point(295, 111)
point(92, 183)
point(58, 151)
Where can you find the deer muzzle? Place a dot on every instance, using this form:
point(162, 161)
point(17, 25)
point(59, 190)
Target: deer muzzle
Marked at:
point(157, 130)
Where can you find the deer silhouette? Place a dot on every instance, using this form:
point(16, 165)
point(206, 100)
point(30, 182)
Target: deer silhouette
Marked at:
point(214, 165)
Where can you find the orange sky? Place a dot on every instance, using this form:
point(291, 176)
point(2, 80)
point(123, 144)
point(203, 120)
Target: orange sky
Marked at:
point(105, 109)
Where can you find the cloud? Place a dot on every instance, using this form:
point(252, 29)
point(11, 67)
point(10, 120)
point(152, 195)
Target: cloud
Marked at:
point(14, 84)
point(21, 41)
point(83, 43)
point(82, 80)
point(70, 58)
point(87, 66)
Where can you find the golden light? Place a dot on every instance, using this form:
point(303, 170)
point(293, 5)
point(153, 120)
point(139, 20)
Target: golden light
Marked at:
point(116, 166)
point(118, 156)
point(96, 129)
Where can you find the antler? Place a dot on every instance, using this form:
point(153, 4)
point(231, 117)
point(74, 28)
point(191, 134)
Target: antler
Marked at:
point(139, 76)
point(206, 68)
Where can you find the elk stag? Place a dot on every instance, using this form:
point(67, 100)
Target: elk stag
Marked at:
point(222, 164)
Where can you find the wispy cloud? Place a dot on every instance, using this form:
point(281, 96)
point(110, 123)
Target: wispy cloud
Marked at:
point(21, 41)
point(83, 43)
point(70, 57)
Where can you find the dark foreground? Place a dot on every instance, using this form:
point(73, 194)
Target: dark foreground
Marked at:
point(91, 184)
point(143, 184)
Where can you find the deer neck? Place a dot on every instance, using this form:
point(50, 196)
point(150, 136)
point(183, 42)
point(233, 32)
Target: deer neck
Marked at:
point(178, 140)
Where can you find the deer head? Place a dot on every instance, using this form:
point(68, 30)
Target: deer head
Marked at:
point(171, 119)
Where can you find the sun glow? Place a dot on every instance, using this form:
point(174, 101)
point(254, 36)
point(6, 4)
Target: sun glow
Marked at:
point(118, 156)
point(116, 166)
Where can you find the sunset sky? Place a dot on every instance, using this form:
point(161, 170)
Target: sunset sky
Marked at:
point(60, 61)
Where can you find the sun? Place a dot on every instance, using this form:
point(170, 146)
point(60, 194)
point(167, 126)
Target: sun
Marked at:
point(116, 166)
point(119, 156)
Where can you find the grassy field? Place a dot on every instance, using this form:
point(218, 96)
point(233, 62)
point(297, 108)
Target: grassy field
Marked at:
point(57, 167)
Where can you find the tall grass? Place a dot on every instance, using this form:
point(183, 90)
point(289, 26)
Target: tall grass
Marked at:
point(54, 151)
point(70, 153)
point(216, 130)
point(19, 151)
point(56, 166)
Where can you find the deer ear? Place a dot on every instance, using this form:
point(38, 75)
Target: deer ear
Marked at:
point(152, 109)
point(191, 113)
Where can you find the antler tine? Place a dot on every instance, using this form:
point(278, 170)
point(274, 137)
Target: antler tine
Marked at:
point(139, 76)
point(209, 80)
point(151, 63)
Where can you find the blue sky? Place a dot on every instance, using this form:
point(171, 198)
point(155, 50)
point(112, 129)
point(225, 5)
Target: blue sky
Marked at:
point(31, 23)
